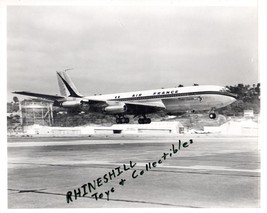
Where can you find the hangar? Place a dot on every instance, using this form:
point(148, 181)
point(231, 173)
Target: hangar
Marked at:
point(163, 127)
point(235, 127)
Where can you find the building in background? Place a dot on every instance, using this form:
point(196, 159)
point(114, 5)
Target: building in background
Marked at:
point(248, 114)
point(152, 128)
point(35, 111)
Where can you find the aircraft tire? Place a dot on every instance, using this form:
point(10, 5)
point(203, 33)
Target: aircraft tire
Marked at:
point(127, 120)
point(118, 121)
point(212, 115)
point(141, 121)
point(147, 120)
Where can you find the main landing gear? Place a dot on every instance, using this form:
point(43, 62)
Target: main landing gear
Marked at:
point(122, 120)
point(144, 120)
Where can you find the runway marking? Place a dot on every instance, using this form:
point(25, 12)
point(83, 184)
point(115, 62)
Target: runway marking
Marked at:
point(217, 168)
point(104, 164)
point(33, 144)
point(125, 140)
point(111, 199)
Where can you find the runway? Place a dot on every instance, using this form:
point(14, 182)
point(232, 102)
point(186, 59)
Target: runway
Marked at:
point(210, 172)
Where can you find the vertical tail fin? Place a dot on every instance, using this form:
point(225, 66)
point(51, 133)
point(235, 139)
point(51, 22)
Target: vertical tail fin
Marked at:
point(66, 86)
point(62, 88)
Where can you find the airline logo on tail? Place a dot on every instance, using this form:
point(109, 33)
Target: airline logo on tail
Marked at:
point(66, 86)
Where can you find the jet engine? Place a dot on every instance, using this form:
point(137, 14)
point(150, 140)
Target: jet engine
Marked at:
point(115, 109)
point(71, 104)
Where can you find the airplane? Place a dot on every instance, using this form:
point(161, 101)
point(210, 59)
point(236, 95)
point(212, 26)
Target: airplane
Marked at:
point(172, 101)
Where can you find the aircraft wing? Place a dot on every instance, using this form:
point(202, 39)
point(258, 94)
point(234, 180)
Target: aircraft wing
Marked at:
point(132, 107)
point(39, 95)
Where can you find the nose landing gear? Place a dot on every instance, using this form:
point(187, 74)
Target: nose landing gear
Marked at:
point(212, 115)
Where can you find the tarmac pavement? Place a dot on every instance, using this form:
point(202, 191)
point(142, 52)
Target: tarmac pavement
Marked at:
point(210, 172)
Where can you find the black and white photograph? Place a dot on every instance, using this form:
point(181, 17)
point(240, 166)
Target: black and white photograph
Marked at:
point(133, 104)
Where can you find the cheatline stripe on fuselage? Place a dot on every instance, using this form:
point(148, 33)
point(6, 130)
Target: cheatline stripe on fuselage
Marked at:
point(174, 95)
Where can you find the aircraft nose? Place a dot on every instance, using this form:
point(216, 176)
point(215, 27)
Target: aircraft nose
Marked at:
point(234, 95)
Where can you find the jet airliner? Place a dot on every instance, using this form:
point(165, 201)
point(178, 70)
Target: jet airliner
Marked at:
point(172, 101)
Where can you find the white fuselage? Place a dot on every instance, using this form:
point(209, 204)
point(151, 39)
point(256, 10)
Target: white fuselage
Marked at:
point(175, 100)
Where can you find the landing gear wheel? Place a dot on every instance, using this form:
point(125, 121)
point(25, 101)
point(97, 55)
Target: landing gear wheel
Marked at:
point(118, 121)
point(123, 120)
point(144, 120)
point(147, 121)
point(141, 121)
point(212, 115)
point(127, 120)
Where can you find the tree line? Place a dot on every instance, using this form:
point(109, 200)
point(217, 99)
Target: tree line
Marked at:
point(248, 99)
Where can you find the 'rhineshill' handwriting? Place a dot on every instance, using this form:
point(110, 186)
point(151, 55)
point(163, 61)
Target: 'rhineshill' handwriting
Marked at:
point(90, 187)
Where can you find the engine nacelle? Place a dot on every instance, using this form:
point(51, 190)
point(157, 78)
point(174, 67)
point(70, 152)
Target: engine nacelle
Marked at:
point(115, 109)
point(71, 104)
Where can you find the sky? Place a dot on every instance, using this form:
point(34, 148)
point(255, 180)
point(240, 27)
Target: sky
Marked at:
point(129, 48)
